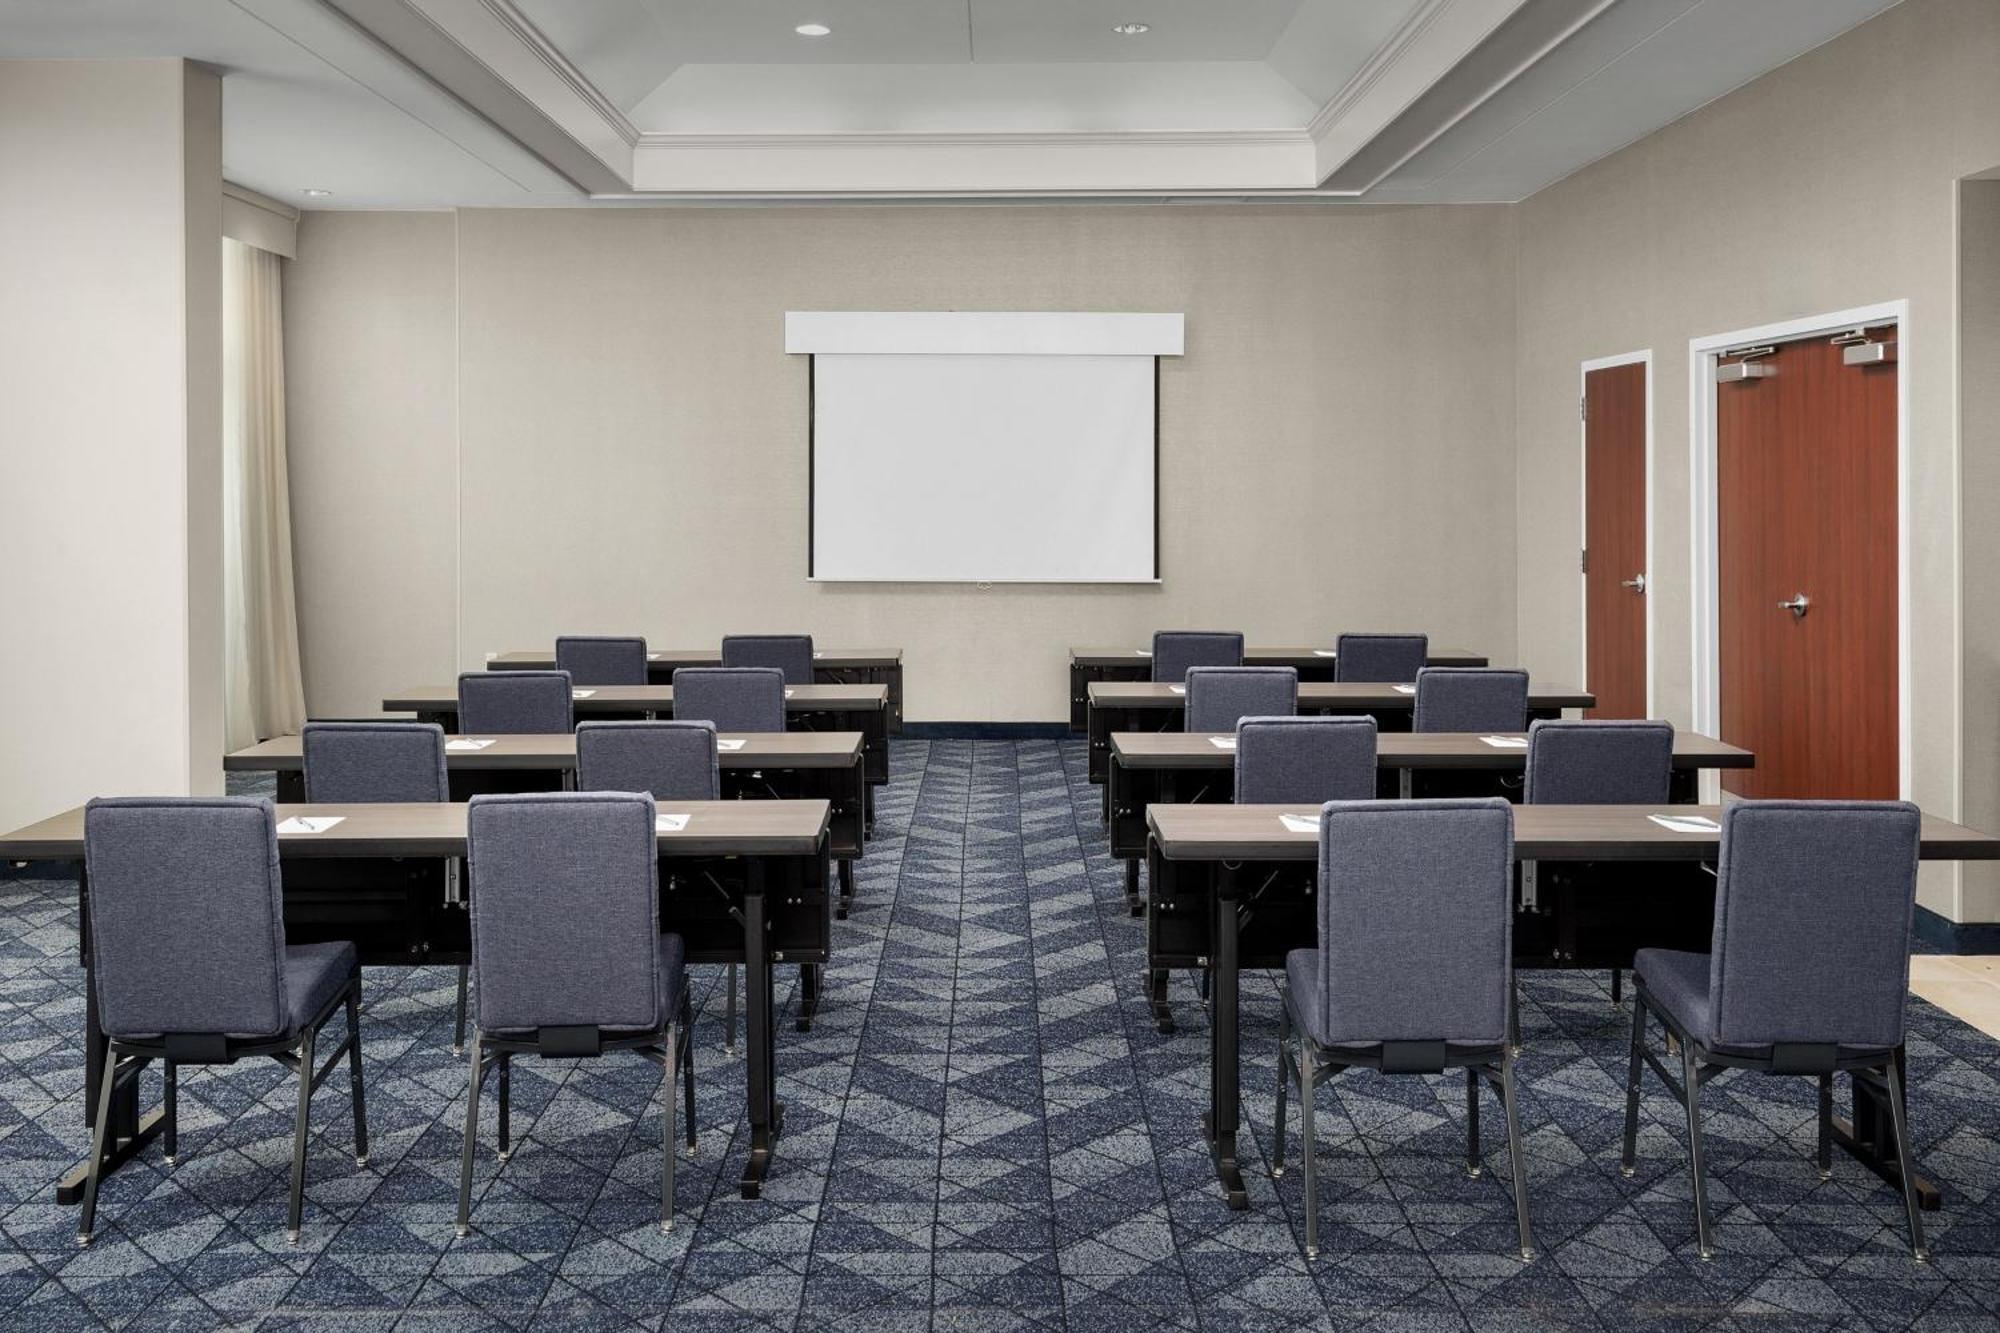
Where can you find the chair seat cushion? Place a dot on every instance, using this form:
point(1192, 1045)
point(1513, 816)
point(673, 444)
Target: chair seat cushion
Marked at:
point(1678, 983)
point(314, 974)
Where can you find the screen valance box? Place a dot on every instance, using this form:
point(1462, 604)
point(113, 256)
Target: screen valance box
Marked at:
point(984, 447)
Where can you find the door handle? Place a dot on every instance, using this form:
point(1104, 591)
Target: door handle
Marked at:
point(1637, 583)
point(1798, 606)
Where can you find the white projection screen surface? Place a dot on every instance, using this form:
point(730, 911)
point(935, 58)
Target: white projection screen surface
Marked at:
point(1014, 449)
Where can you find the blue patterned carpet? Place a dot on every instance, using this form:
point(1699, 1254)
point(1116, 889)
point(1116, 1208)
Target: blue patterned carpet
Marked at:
point(983, 1132)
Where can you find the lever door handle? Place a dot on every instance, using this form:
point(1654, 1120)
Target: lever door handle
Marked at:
point(1637, 583)
point(1798, 606)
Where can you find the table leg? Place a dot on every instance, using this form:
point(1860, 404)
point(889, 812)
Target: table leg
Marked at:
point(1219, 1126)
point(766, 1116)
point(1869, 1137)
point(809, 987)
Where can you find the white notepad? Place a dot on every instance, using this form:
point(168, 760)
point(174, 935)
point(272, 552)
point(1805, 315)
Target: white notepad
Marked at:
point(1686, 823)
point(464, 744)
point(1142, 652)
point(309, 823)
point(818, 653)
point(1223, 742)
point(671, 823)
point(1506, 742)
point(732, 743)
point(1404, 689)
point(788, 694)
point(654, 657)
point(1324, 652)
point(581, 694)
point(1177, 689)
point(1300, 823)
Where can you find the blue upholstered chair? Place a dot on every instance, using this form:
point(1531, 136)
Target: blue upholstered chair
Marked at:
point(1471, 699)
point(1220, 697)
point(602, 659)
point(1411, 971)
point(732, 698)
point(674, 761)
point(190, 966)
point(790, 653)
point(1175, 650)
point(1304, 760)
point(1390, 659)
point(1808, 973)
point(566, 940)
point(514, 703)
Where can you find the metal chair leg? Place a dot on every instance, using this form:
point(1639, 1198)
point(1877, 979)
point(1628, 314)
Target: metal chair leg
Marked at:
point(458, 1023)
point(667, 1135)
point(1906, 1163)
point(729, 1015)
point(1309, 1146)
point(505, 1068)
point(88, 1217)
point(1516, 1157)
point(170, 1130)
point(1513, 1015)
point(1278, 1116)
point(1631, 1146)
point(1826, 1126)
point(1472, 1160)
point(1691, 1091)
point(295, 1217)
point(687, 1067)
point(354, 1084)
point(471, 1136)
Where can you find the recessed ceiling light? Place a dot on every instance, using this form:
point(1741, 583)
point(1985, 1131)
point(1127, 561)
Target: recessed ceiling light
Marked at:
point(313, 192)
point(813, 30)
point(1131, 29)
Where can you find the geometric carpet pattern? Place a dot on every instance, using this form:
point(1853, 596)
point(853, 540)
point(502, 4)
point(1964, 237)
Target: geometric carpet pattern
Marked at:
point(982, 1132)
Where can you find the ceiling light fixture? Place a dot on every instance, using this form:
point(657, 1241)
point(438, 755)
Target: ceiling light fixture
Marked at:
point(1131, 29)
point(314, 192)
point(813, 30)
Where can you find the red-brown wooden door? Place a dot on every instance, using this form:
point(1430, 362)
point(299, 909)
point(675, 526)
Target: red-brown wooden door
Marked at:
point(1807, 507)
point(1614, 539)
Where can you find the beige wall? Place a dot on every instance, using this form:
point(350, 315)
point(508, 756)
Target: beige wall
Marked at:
point(1826, 185)
point(631, 437)
point(110, 443)
point(1979, 464)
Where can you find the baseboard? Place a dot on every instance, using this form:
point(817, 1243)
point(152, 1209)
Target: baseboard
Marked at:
point(985, 731)
point(1940, 934)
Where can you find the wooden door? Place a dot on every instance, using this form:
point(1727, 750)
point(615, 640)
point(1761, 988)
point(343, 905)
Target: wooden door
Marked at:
point(1807, 507)
point(1614, 539)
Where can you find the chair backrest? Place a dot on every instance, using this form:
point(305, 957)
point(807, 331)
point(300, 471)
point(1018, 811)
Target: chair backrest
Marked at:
point(675, 761)
point(602, 659)
point(1608, 762)
point(187, 926)
point(514, 703)
point(1305, 760)
point(733, 698)
point(790, 653)
point(1175, 650)
point(1813, 901)
point(361, 762)
point(565, 910)
point(1392, 659)
point(1414, 920)
point(1220, 697)
point(1471, 699)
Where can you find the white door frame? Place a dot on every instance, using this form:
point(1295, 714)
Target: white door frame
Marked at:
point(1703, 355)
point(1644, 358)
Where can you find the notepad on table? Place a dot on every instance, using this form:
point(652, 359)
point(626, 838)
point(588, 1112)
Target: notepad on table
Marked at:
point(581, 694)
point(1300, 823)
point(1177, 689)
point(671, 823)
point(1506, 742)
point(309, 823)
point(1686, 823)
point(1324, 652)
point(654, 657)
point(1142, 652)
point(464, 744)
point(1223, 742)
point(788, 694)
point(731, 743)
point(1404, 689)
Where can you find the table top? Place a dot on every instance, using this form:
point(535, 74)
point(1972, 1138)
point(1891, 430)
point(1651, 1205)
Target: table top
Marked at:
point(714, 828)
point(1541, 833)
point(1316, 694)
point(1398, 749)
point(758, 749)
point(1266, 656)
point(655, 698)
point(834, 659)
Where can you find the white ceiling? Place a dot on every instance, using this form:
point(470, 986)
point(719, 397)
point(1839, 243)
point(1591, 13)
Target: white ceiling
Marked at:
point(439, 103)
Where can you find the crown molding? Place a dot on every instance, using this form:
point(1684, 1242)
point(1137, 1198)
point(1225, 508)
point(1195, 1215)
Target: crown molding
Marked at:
point(976, 139)
point(1370, 74)
point(563, 68)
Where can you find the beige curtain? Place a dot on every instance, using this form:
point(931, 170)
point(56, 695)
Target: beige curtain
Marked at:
point(264, 693)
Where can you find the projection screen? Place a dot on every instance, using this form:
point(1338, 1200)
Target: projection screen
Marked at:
point(984, 447)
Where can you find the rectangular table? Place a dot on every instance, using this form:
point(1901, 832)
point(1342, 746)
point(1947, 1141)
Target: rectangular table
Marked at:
point(743, 882)
point(831, 666)
point(861, 708)
point(1187, 768)
point(1089, 664)
point(1118, 706)
point(1208, 864)
point(758, 765)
